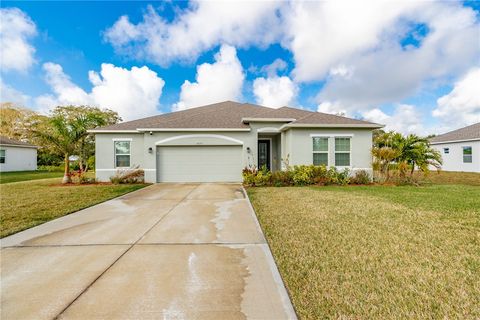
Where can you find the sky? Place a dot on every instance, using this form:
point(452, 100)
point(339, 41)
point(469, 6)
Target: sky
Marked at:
point(411, 65)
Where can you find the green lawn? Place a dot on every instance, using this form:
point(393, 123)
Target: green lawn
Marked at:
point(30, 203)
point(376, 252)
point(7, 177)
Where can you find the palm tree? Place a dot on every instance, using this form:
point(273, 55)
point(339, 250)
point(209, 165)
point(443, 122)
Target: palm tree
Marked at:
point(64, 136)
point(410, 152)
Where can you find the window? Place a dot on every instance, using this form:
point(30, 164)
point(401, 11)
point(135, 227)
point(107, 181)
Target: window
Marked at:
point(342, 152)
point(2, 156)
point(122, 153)
point(446, 150)
point(320, 151)
point(467, 154)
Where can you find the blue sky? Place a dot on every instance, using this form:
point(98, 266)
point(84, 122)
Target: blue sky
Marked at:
point(409, 66)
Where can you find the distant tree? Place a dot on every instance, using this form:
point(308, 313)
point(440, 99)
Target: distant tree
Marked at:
point(15, 122)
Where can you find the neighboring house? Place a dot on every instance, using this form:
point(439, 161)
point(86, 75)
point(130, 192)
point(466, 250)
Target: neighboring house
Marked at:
point(460, 149)
point(17, 155)
point(214, 143)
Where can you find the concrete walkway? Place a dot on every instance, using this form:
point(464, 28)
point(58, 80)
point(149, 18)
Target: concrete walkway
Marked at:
point(169, 251)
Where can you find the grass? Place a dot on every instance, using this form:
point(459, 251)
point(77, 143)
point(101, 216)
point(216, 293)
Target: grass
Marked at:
point(376, 252)
point(29, 203)
point(445, 177)
point(8, 177)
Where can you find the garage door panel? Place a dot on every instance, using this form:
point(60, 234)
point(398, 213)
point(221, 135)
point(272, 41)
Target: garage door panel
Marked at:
point(199, 164)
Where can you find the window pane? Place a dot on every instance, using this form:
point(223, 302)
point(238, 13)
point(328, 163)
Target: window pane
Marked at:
point(122, 147)
point(320, 144)
point(342, 144)
point(320, 159)
point(467, 150)
point(122, 161)
point(467, 158)
point(342, 159)
point(446, 150)
point(2, 156)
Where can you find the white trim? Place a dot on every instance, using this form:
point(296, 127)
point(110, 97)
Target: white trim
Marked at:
point(124, 168)
point(349, 135)
point(121, 139)
point(193, 129)
point(456, 141)
point(188, 136)
point(268, 130)
point(18, 146)
point(328, 147)
point(246, 120)
point(306, 125)
point(271, 148)
point(129, 154)
point(349, 152)
point(112, 131)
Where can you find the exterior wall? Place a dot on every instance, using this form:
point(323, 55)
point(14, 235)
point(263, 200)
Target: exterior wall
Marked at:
point(105, 153)
point(294, 144)
point(300, 146)
point(453, 161)
point(19, 159)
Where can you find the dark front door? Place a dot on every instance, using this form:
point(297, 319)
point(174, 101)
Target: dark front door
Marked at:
point(264, 154)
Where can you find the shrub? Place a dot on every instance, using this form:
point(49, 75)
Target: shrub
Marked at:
point(282, 178)
point(361, 177)
point(302, 175)
point(131, 175)
point(59, 168)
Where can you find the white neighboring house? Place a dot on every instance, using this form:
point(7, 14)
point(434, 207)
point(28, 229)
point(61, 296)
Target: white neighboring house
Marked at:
point(460, 149)
point(17, 155)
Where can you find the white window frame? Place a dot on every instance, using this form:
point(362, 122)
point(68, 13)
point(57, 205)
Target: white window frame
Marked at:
point(327, 152)
point(468, 155)
point(122, 154)
point(4, 156)
point(446, 150)
point(349, 152)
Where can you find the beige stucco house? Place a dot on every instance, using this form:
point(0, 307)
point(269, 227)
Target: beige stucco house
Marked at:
point(17, 155)
point(214, 143)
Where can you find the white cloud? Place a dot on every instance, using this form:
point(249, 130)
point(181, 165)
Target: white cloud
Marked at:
point(132, 93)
point(387, 72)
point(16, 28)
point(405, 119)
point(200, 27)
point(333, 108)
point(272, 69)
point(461, 106)
point(219, 81)
point(10, 94)
point(274, 92)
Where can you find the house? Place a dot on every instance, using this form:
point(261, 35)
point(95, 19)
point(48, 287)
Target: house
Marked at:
point(17, 155)
point(214, 143)
point(460, 149)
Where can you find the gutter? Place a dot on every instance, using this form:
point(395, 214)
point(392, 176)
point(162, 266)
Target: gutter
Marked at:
point(306, 125)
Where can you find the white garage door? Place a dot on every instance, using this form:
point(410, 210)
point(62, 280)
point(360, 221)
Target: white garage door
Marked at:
point(199, 164)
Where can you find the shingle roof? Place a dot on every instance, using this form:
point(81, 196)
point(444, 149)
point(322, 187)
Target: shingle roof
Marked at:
point(471, 132)
point(229, 115)
point(10, 142)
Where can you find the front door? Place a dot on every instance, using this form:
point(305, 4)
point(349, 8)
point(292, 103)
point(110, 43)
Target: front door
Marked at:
point(264, 154)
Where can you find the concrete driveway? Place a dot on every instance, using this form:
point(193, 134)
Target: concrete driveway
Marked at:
point(169, 251)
